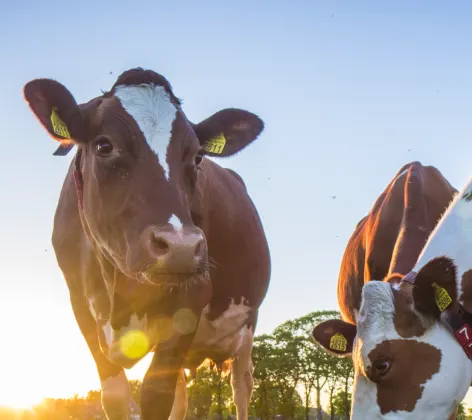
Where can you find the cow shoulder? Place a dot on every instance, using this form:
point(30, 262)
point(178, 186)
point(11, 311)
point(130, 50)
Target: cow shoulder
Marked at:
point(369, 251)
point(237, 176)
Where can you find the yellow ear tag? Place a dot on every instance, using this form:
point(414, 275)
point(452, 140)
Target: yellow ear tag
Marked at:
point(59, 126)
point(216, 144)
point(338, 342)
point(443, 300)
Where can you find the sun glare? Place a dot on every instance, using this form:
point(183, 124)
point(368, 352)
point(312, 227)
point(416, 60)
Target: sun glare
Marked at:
point(20, 401)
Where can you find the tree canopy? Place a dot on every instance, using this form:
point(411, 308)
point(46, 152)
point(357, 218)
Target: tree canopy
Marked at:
point(291, 373)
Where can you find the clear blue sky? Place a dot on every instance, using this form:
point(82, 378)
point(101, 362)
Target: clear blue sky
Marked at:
point(349, 92)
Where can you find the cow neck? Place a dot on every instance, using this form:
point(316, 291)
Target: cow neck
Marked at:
point(457, 318)
point(78, 180)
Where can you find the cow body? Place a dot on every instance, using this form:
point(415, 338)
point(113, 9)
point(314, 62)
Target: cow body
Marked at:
point(390, 238)
point(400, 331)
point(162, 249)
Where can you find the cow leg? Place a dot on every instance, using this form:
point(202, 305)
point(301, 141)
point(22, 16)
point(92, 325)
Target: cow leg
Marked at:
point(179, 408)
point(116, 397)
point(160, 382)
point(115, 387)
point(242, 380)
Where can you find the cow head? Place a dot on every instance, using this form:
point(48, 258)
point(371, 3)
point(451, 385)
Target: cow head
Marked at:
point(140, 159)
point(408, 364)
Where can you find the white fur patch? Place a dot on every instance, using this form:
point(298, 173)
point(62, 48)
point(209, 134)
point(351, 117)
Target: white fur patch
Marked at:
point(112, 337)
point(441, 393)
point(224, 334)
point(152, 109)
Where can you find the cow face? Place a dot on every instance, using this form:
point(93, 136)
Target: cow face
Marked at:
point(408, 365)
point(140, 159)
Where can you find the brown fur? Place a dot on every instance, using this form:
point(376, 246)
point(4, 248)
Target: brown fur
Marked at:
point(401, 352)
point(389, 239)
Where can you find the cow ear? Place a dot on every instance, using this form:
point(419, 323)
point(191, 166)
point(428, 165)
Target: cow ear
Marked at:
point(228, 132)
point(57, 111)
point(335, 336)
point(435, 287)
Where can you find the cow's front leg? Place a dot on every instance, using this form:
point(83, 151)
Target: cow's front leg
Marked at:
point(242, 380)
point(179, 408)
point(115, 389)
point(160, 382)
point(116, 397)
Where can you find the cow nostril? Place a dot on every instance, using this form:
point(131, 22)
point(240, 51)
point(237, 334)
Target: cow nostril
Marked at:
point(199, 250)
point(159, 246)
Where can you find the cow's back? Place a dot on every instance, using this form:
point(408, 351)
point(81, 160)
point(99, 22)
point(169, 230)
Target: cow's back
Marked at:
point(390, 238)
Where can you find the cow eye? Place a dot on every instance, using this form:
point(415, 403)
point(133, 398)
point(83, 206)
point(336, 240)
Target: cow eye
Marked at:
point(198, 160)
point(103, 146)
point(382, 367)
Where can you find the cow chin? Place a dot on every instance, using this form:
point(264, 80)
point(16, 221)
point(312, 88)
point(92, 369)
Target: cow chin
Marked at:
point(171, 280)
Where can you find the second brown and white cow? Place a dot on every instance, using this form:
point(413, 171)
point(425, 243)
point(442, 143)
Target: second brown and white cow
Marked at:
point(162, 249)
point(409, 335)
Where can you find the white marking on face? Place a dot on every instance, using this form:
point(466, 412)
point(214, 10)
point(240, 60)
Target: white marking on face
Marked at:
point(152, 109)
point(224, 334)
point(441, 393)
point(175, 222)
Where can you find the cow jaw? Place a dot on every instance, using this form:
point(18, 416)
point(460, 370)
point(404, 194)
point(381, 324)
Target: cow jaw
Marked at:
point(429, 375)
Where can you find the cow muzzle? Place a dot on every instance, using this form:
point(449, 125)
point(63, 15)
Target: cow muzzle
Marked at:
point(173, 251)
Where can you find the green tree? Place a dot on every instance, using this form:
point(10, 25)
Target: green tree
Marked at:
point(209, 394)
point(286, 371)
point(339, 403)
point(315, 366)
point(345, 371)
point(264, 398)
point(333, 385)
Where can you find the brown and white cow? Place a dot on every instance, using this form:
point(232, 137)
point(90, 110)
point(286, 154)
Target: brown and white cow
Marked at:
point(162, 249)
point(405, 333)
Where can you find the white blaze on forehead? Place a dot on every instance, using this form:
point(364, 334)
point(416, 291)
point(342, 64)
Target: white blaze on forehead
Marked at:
point(152, 109)
point(377, 309)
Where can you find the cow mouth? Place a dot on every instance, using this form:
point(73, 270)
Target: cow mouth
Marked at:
point(171, 280)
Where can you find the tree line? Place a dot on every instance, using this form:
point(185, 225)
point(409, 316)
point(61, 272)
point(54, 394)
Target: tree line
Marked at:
point(291, 373)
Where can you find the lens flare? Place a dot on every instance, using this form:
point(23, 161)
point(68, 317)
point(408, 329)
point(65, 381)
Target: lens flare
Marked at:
point(134, 344)
point(185, 321)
